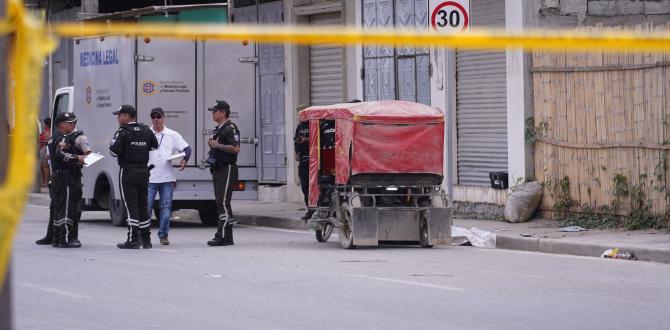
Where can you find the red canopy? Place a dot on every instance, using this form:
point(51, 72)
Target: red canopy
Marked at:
point(377, 111)
point(383, 137)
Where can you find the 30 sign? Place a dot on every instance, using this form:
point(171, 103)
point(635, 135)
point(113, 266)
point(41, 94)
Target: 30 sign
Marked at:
point(450, 16)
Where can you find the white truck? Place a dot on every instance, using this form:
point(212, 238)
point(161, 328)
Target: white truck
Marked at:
point(182, 77)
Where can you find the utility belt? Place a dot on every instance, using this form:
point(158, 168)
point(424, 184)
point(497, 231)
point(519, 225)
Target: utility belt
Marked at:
point(219, 166)
point(304, 158)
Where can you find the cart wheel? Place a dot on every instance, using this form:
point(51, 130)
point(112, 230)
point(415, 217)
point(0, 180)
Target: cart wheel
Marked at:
point(346, 234)
point(423, 233)
point(322, 235)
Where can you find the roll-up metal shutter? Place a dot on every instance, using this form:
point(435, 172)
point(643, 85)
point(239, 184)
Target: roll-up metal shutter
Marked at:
point(326, 65)
point(481, 94)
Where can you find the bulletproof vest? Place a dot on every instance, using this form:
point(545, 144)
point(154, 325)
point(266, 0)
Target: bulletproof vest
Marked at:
point(327, 132)
point(137, 144)
point(303, 131)
point(51, 146)
point(69, 148)
point(226, 135)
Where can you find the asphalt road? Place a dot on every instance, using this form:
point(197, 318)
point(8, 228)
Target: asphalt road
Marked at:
point(281, 279)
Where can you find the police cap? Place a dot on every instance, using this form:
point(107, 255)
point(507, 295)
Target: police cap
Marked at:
point(220, 106)
point(129, 109)
point(67, 117)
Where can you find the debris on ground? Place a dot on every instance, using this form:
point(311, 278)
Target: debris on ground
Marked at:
point(474, 237)
point(572, 229)
point(615, 254)
point(213, 275)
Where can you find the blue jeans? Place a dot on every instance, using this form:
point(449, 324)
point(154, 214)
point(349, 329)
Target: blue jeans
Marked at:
point(164, 189)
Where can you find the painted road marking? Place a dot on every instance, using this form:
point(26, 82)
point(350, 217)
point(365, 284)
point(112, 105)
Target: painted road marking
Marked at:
point(391, 280)
point(53, 290)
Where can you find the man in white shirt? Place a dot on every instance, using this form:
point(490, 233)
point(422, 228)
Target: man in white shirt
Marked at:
point(162, 179)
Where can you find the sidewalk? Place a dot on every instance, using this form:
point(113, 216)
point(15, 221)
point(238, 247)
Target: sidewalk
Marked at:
point(538, 235)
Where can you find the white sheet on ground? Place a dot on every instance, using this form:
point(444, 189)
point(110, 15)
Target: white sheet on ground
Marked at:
point(476, 237)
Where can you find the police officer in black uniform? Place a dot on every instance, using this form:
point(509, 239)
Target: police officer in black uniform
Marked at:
point(68, 158)
point(51, 150)
point(224, 147)
point(131, 144)
point(301, 146)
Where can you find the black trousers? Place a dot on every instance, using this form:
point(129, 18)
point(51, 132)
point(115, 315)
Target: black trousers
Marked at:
point(225, 181)
point(134, 191)
point(303, 174)
point(67, 192)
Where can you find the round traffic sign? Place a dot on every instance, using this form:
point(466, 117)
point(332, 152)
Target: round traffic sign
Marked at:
point(449, 16)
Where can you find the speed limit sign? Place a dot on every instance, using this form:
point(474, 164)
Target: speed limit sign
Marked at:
point(450, 16)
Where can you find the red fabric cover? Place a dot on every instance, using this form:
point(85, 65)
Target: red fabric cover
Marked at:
point(313, 163)
point(342, 141)
point(390, 111)
point(328, 161)
point(384, 148)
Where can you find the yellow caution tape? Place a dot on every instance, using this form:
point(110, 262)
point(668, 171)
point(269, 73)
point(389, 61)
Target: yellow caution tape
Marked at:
point(306, 35)
point(31, 43)
point(29, 46)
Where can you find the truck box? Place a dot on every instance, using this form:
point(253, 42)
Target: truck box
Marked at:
point(182, 77)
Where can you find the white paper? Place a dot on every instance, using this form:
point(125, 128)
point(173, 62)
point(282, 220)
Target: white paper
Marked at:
point(175, 156)
point(91, 158)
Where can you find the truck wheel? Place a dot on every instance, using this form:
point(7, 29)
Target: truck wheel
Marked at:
point(209, 216)
point(346, 234)
point(117, 212)
point(423, 233)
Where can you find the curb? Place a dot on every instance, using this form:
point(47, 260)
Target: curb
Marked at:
point(547, 245)
point(268, 221)
point(544, 245)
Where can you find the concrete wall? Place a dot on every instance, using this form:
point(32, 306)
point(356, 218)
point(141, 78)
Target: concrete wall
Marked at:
point(572, 13)
point(298, 76)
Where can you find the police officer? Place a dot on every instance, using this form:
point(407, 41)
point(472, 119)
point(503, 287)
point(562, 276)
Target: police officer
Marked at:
point(224, 147)
point(131, 144)
point(301, 146)
point(51, 150)
point(67, 161)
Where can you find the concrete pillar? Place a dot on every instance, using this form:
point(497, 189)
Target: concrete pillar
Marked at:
point(519, 156)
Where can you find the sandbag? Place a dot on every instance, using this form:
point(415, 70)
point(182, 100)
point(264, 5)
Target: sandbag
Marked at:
point(523, 202)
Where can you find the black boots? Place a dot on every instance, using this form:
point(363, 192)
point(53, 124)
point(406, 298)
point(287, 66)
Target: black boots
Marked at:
point(133, 241)
point(59, 237)
point(48, 239)
point(226, 239)
point(146, 240)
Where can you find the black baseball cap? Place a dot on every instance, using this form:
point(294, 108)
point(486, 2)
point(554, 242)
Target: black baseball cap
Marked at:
point(220, 105)
point(157, 110)
point(68, 117)
point(129, 109)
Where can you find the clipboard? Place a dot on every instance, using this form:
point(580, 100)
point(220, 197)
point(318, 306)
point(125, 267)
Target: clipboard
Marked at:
point(92, 158)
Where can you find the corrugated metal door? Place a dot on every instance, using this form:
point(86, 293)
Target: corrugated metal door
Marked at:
point(481, 93)
point(326, 65)
point(271, 70)
point(402, 73)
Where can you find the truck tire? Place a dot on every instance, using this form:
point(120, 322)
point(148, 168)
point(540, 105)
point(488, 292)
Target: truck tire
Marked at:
point(209, 216)
point(117, 212)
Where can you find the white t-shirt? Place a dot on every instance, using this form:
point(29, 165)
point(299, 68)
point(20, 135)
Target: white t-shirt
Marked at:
point(169, 143)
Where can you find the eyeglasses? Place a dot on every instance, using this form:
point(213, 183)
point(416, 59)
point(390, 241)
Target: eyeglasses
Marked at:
point(156, 116)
